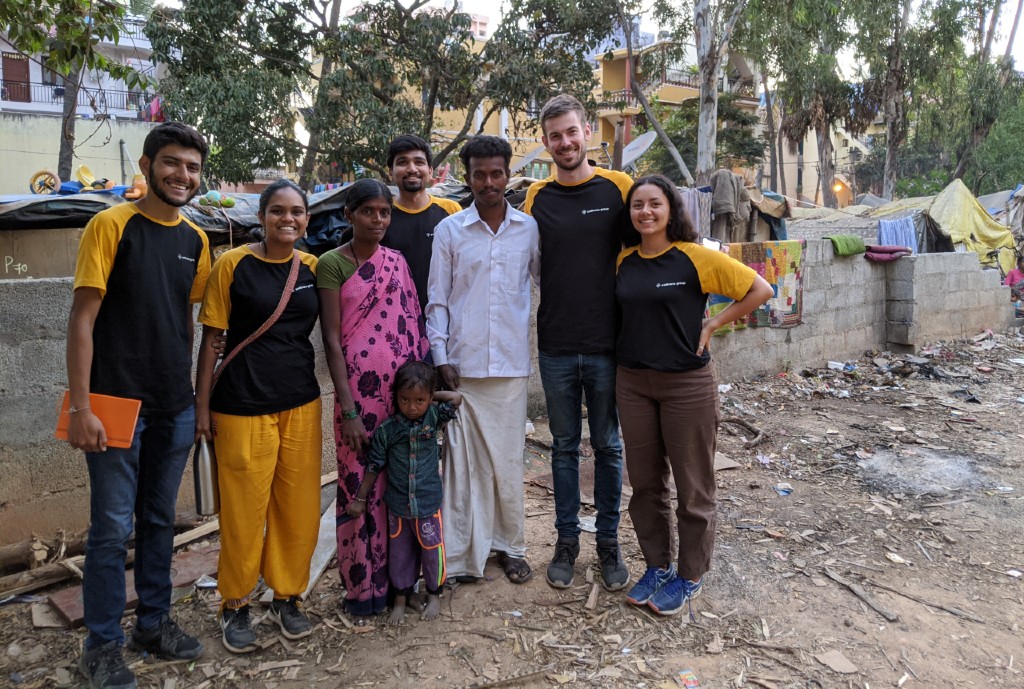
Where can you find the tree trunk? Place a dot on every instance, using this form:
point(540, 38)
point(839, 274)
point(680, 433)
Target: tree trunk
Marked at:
point(65, 158)
point(826, 166)
point(895, 106)
point(773, 158)
point(708, 62)
point(313, 149)
point(638, 92)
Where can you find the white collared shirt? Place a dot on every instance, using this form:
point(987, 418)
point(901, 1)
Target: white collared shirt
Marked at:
point(478, 310)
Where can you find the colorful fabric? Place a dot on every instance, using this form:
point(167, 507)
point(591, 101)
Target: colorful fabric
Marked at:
point(416, 544)
point(381, 329)
point(781, 265)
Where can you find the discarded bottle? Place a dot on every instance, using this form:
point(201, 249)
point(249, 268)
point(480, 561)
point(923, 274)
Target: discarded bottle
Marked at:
point(204, 475)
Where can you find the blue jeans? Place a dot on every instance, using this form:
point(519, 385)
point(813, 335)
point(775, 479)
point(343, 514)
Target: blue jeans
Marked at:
point(566, 380)
point(140, 482)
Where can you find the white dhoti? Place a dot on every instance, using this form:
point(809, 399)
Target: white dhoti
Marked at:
point(483, 475)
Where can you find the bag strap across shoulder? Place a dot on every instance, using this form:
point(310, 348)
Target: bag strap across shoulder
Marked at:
point(286, 295)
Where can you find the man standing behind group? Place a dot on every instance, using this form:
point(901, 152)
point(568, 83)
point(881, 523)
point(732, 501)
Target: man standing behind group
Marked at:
point(578, 211)
point(416, 213)
point(140, 268)
point(478, 321)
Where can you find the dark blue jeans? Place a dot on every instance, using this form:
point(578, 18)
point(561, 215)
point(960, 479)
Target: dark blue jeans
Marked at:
point(568, 380)
point(140, 482)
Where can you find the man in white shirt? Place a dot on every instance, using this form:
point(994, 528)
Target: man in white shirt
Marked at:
point(478, 317)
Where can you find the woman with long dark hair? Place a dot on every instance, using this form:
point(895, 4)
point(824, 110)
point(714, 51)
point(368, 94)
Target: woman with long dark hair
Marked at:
point(371, 322)
point(665, 385)
point(263, 415)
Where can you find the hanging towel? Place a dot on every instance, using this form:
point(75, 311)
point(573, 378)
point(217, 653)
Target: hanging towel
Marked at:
point(898, 232)
point(847, 244)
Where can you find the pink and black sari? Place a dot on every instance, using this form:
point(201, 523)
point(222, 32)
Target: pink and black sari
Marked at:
point(381, 329)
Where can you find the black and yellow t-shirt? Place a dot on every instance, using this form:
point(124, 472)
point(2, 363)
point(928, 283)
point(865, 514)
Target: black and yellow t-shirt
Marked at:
point(149, 273)
point(412, 233)
point(274, 372)
point(579, 240)
point(662, 300)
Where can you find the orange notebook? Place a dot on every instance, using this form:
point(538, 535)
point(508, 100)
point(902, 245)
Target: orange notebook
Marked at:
point(118, 414)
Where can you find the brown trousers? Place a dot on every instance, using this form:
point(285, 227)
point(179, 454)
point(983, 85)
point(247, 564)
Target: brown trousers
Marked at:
point(669, 429)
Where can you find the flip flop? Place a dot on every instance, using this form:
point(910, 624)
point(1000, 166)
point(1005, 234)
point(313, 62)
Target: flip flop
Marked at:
point(517, 569)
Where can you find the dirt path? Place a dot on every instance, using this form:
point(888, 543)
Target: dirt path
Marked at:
point(905, 485)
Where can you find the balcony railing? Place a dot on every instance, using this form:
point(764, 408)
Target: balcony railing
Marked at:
point(100, 100)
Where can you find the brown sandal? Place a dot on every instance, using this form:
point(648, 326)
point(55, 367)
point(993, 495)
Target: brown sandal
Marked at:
point(517, 569)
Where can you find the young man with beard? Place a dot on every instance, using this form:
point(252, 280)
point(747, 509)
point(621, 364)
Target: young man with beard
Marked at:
point(415, 213)
point(579, 210)
point(140, 268)
point(478, 323)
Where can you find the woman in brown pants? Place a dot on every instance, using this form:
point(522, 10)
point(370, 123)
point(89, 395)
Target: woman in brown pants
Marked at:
point(665, 385)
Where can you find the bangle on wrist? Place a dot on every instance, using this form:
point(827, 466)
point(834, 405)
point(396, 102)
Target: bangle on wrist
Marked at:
point(350, 414)
point(358, 499)
point(74, 410)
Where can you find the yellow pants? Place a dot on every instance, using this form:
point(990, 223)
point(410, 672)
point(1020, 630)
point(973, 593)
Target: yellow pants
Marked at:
point(268, 470)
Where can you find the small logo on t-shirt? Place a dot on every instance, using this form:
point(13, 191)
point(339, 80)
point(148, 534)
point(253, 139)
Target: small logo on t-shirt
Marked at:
point(670, 284)
point(302, 287)
point(588, 211)
point(186, 258)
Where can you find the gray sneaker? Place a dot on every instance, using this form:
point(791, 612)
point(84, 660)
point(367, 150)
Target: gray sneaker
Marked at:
point(104, 668)
point(237, 633)
point(289, 617)
point(614, 572)
point(560, 571)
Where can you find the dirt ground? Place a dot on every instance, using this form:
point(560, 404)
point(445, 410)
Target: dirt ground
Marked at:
point(871, 538)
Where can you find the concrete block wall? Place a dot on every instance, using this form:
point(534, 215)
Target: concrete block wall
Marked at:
point(942, 296)
point(43, 481)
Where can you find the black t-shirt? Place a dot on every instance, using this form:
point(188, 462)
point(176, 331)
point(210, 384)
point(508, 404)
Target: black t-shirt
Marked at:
point(579, 240)
point(662, 300)
point(412, 234)
point(148, 272)
point(275, 372)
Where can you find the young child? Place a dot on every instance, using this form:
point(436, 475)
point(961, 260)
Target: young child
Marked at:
point(406, 444)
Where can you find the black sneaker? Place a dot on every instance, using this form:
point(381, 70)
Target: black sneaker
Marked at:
point(614, 572)
point(560, 571)
point(104, 668)
point(238, 635)
point(167, 641)
point(289, 617)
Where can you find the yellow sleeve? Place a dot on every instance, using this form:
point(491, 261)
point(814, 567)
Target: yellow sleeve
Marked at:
point(623, 181)
point(216, 309)
point(202, 271)
point(310, 260)
point(720, 273)
point(450, 205)
point(97, 249)
point(531, 194)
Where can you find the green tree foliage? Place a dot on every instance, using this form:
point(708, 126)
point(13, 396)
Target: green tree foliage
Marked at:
point(999, 161)
point(239, 71)
point(67, 32)
point(736, 144)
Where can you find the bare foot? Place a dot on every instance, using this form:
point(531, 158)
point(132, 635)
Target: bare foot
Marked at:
point(417, 601)
point(433, 608)
point(397, 611)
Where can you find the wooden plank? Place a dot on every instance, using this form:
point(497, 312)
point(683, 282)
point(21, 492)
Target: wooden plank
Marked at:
point(186, 567)
point(326, 545)
point(56, 572)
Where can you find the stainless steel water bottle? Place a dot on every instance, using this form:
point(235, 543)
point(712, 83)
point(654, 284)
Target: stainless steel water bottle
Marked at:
point(204, 475)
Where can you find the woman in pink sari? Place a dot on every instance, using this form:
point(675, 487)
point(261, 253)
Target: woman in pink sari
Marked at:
point(371, 322)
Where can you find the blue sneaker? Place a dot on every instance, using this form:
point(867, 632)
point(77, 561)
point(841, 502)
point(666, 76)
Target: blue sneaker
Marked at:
point(652, 580)
point(671, 597)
